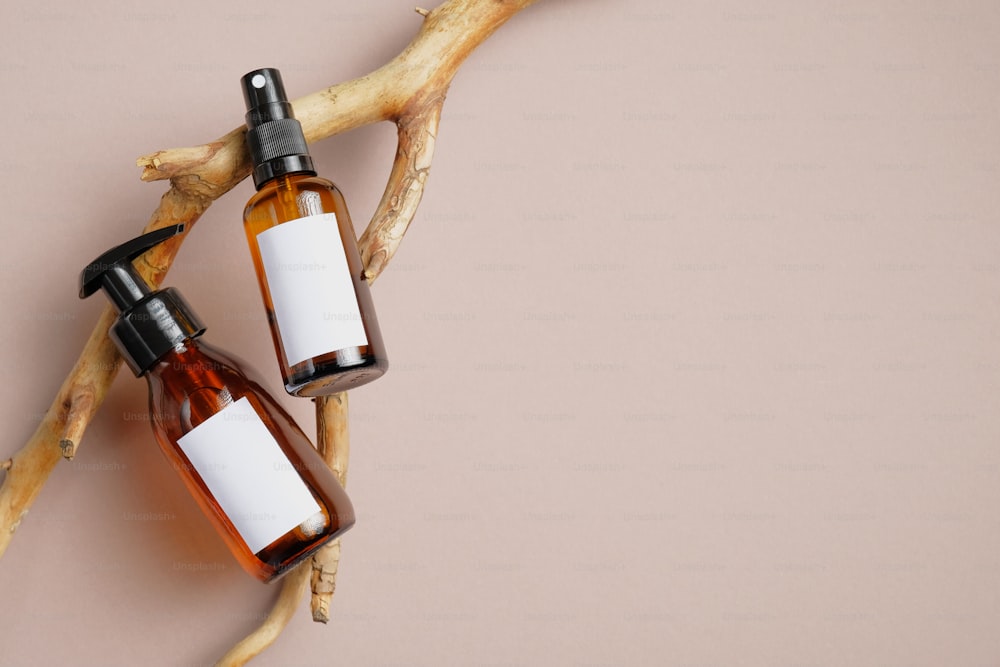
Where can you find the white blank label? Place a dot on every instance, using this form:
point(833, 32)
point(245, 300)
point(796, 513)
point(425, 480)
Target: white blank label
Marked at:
point(311, 288)
point(248, 474)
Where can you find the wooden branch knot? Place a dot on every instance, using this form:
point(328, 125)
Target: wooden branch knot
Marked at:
point(78, 410)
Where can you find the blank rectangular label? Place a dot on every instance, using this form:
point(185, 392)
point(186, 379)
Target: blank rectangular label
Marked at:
point(248, 474)
point(311, 289)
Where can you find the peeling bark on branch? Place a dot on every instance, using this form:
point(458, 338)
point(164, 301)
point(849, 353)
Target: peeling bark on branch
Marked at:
point(414, 152)
point(334, 445)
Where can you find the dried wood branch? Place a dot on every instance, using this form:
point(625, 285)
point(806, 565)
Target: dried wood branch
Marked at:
point(417, 132)
point(334, 445)
point(292, 588)
point(409, 91)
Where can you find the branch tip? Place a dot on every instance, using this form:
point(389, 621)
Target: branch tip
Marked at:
point(423, 12)
point(6, 465)
point(324, 580)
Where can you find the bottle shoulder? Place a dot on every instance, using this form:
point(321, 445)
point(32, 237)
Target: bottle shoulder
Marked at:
point(289, 198)
point(196, 362)
point(294, 184)
point(198, 380)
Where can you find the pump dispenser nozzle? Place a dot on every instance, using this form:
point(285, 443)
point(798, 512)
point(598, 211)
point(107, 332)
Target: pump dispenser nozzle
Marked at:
point(275, 139)
point(151, 322)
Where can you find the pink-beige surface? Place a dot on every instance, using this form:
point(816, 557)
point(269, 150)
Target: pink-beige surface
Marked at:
point(695, 339)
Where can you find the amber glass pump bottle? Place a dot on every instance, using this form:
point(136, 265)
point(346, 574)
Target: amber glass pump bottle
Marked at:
point(252, 471)
point(305, 252)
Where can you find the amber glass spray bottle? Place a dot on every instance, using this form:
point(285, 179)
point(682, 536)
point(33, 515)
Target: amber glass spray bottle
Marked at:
point(305, 252)
point(250, 468)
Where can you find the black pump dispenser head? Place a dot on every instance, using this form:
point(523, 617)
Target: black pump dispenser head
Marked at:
point(275, 139)
point(151, 322)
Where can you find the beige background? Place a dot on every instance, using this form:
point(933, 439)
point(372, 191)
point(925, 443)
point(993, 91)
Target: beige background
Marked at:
point(694, 339)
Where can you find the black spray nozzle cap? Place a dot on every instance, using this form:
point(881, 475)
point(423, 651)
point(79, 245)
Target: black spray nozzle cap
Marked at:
point(151, 323)
point(275, 139)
